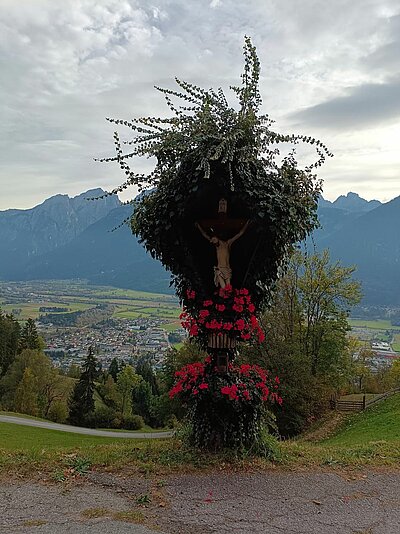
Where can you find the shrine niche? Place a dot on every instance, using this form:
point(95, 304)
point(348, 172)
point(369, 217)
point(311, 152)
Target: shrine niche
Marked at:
point(223, 209)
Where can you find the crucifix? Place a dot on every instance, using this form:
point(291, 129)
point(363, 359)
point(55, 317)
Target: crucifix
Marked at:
point(222, 233)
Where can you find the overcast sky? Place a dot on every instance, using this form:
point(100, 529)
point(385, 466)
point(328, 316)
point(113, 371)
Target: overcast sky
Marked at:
point(329, 69)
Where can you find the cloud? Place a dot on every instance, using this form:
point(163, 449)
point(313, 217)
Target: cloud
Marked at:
point(366, 106)
point(66, 66)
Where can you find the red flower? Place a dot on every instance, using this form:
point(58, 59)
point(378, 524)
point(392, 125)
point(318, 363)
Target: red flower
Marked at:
point(190, 294)
point(231, 391)
point(240, 324)
point(214, 325)
point(251, 308)
point(253, 321)
point(194, 330)
point(220, 307)
point(203, 314)
point(207, 303)
point(237, 307)
point(227, 326)
point(203, 385)
point(225, 291)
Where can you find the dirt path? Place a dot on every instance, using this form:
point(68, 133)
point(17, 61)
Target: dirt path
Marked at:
point(80, 430)
point(240, 503)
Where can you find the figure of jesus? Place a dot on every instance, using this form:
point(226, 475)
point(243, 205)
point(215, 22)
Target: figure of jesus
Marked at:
point(222, 271)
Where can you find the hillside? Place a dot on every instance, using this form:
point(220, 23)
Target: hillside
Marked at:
point(378, 423)
point(26, 235)
point(370, 241)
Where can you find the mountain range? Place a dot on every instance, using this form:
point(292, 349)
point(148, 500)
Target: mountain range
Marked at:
point(72, 238)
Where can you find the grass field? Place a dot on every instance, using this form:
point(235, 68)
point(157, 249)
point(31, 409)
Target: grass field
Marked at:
point(18, 437)
point(380, 324)
point(31, 310)
point(370, 438)
point(128, 304)
point(170, 327)
point(396, 343)
point(377, 423)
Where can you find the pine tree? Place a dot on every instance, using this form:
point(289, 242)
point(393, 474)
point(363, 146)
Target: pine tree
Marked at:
point(9, 340)
point(29, 336)
point(114, 369)
point(81, 403)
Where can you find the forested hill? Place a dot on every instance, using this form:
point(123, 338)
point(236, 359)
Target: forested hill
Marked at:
point(72, 238)
point(371, 241)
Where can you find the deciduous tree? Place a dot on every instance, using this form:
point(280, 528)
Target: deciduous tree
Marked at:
point(127, 380)
point(306, 336)
point(26, 395)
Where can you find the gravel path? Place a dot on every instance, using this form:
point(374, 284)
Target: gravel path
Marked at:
point(80, 430)
point(239, 503)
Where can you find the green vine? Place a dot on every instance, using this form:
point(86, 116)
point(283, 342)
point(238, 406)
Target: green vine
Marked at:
point(208, 146)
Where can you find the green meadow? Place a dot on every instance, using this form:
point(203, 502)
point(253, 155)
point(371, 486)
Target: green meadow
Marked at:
point(370, 438)
point(380, 324)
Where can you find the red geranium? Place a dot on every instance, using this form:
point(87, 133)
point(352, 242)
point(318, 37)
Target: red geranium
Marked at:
point(231, 310)
point(245, 383)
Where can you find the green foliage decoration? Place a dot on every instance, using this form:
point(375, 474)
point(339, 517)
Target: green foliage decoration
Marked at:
point(208, 148)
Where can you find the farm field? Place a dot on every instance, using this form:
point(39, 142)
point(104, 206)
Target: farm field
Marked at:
point(376, 330)
point(25, 299)
point(380, 324)
point(396, 342)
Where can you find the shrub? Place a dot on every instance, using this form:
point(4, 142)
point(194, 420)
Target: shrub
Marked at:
point(102, 417)
point(58, 412)
point(132, 422)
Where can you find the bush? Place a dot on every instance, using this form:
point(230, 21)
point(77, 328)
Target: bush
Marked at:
point(132, 422)
point(58, 412)
point(102, 417)
point(172, 422)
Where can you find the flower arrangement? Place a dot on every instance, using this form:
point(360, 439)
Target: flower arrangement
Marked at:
point(236, 402)
point(230, 311)
point(244, 383)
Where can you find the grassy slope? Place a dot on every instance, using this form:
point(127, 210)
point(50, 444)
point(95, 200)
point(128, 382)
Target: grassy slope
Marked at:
point(378, 423)
point(14, 437)
point(371, 438)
